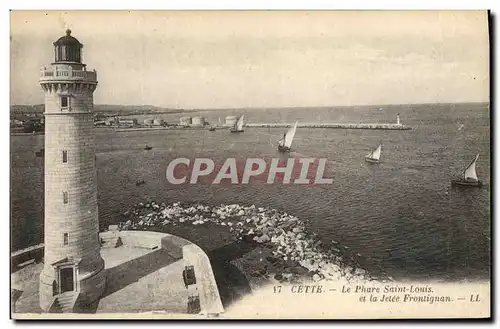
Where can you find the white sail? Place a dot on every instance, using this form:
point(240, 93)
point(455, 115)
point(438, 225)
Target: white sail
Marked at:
point(290, 134)
point(375, 154)
point(470, 171)
point(239, 124)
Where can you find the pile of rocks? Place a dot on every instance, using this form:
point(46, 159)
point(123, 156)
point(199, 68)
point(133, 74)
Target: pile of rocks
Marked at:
point(284, 235)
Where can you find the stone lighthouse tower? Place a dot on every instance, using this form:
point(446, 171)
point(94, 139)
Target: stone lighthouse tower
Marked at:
point(73, 273)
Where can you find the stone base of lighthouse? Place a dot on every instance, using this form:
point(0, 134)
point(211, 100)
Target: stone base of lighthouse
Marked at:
point(71, 284)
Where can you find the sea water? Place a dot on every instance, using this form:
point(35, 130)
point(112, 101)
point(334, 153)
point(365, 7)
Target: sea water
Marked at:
point(401, 215)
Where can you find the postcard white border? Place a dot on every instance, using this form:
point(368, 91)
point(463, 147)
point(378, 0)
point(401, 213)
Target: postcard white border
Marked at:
point(209, 5)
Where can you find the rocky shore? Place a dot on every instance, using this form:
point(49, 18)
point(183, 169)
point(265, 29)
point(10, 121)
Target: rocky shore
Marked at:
point(287, 251)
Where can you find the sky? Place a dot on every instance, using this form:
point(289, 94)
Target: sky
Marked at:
point(265, 59)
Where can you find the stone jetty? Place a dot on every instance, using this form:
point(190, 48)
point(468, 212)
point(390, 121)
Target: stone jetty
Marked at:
point(382, 126)
point(284, 235)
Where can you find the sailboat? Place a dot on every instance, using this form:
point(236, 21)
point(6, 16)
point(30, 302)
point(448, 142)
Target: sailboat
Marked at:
point(374, 156)
point(285, 143)
point(468, 176)
point(238, 126)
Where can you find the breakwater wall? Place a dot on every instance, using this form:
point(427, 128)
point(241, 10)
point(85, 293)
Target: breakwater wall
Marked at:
point(383, 126)
point(26, 256)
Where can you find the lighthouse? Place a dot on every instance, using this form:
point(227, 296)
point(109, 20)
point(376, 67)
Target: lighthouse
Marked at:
point(73, 272)
point(397, 120)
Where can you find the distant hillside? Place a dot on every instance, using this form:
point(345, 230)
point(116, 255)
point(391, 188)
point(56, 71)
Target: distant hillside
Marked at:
point(100, 108)
point(97, 107)
point(39, 108)
point(127, 108)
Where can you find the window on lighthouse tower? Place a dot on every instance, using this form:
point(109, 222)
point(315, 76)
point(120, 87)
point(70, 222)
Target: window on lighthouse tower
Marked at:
point(64, 102)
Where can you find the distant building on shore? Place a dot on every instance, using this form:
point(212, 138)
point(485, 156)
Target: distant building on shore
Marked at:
point(33, 125)
point(186, 121)
point(198, 121)
point(100, 117)
point(154, 122)
point(127, 122)
point(16, 123)
point(158, 122)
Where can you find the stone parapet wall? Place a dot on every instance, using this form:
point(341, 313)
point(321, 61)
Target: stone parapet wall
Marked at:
point(205, 288)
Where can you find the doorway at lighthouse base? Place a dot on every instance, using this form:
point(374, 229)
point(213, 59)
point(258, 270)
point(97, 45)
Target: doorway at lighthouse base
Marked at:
point(64, 287)
point(66, 277)
point(65, 280)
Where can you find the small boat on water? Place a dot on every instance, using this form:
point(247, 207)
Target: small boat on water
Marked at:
point(148, 147)
point(374, 156)
point(40, 153)
point(238, 126)
point(285, 143)
point(468, 176)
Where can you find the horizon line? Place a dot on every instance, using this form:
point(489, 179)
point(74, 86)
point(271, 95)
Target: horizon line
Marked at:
point(275, 107)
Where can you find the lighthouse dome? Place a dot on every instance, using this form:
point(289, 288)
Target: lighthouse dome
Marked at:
point(67, 40)
point(68, 49)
